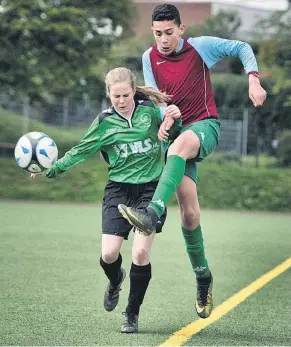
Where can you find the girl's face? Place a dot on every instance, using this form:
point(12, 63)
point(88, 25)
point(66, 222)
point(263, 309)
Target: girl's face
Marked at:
point(121, 96)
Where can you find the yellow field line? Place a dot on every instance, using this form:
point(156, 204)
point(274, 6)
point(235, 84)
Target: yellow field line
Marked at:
point(181, 336)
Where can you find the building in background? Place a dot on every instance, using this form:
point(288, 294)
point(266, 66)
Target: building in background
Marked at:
point(250, 13)
point(194, 12)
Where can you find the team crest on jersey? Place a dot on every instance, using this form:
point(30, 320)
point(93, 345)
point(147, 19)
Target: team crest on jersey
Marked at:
point(145, 119)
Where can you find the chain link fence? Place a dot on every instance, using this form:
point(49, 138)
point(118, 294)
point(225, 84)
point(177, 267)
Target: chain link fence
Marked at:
point(69, 114)
point(64, 113)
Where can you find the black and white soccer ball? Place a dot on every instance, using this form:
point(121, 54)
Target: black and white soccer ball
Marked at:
point(35, 152)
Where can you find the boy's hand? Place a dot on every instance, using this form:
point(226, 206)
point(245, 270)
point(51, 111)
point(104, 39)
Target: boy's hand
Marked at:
point(172, 111)
point(256, 92)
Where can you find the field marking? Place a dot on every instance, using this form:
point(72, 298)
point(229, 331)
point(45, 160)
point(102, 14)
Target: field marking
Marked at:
point(184, 334)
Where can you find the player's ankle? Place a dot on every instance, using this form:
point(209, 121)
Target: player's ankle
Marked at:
point(205, 280)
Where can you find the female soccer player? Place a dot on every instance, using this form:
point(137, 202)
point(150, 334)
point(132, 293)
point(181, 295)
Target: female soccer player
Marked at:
point(127, 136)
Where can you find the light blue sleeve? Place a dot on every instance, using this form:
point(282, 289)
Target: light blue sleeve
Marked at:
point(147, 70)
point(213, 49)
point(162, 111)
point(148, 75)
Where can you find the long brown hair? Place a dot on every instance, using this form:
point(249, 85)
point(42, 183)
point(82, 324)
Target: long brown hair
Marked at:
point(122, 74)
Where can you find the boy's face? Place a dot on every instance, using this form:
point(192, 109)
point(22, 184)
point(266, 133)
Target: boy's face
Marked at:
point(167, 35)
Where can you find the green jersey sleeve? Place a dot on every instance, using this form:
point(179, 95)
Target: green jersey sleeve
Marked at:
point(87, 147)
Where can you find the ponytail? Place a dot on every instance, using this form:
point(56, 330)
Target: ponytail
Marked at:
point(149, 93)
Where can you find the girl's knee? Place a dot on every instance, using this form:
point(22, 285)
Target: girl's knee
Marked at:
point(109, 256)
point(140, 256)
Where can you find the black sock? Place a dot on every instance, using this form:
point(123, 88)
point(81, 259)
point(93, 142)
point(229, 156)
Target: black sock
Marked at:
point(204, 280)
point(140, 276)
point(112, 271)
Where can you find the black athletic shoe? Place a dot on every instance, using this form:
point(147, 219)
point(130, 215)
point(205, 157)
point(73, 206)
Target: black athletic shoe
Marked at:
point(204, 301)
point(130, 324)
point(111, 295)
point(161, 222)
point(144, 220)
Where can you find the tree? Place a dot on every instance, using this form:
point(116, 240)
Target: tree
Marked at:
point(223, 24)
point(52, 46)
point(275, 55)
point(265, 123)
point(129, 51)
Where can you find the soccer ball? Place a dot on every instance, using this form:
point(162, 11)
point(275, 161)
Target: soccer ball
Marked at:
point(35, 152)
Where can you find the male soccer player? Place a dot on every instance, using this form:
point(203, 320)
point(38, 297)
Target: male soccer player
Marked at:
point(180, 68)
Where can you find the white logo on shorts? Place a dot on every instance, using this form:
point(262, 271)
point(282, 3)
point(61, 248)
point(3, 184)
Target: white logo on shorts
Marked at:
point(202, 136)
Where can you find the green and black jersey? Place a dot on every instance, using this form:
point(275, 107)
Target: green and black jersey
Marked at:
point(130, 146)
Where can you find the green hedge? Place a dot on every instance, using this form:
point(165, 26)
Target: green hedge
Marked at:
point(12, 125)
point(227, 186)
point(284, 148)
point(84, 183)
point(231, 186)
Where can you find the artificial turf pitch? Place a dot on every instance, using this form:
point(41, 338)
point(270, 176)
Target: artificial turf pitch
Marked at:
point(51, 288)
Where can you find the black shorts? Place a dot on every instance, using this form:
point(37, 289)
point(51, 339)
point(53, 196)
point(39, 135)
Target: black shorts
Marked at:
point(134, 195)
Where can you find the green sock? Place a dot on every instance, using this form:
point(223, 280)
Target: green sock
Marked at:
point(171, 178)
point(195, 250)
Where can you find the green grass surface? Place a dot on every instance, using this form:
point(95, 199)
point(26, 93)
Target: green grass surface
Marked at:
point(52, 286)
point(220, 186)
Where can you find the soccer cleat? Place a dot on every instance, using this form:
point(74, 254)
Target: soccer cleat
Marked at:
point(130, 324)
point(161, 222)
point(111, 295)
point(144, 220)
point(204, 302)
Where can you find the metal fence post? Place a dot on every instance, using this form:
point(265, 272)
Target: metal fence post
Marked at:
point(25, 111)
point(245, 133)
point(104, 104)
point(65, 112)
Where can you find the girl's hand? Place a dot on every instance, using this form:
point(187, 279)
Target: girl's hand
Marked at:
point(34, 175)
point(172, 111)
point(164, 128)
